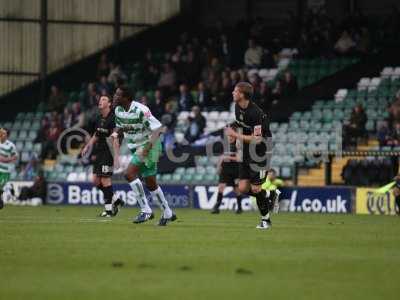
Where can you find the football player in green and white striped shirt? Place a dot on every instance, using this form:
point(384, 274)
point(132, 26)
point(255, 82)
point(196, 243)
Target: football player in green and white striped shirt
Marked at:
point(142, 134)
point(8, 156)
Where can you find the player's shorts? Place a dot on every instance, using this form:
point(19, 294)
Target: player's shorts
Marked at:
point(148, 167)
point(103, 164)
point(4, 178)
point(229, 174)
point(255, 173)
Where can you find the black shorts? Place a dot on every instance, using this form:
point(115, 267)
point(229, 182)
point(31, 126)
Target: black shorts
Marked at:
point(255, 173)
point(229, 174)
point(103, 164)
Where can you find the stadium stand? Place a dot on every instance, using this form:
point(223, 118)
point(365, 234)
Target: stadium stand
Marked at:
point(196, 61)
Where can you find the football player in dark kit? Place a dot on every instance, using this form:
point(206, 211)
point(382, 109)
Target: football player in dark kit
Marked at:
point(104, 162)
point(251, 128)
point(228, 176)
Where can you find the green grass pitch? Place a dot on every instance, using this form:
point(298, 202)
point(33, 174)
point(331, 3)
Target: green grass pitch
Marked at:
point(59, 252)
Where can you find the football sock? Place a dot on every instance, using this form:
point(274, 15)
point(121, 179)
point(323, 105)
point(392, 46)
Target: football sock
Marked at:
point(108, 195)
point(219, 200)
point(239, 201)
point(397, 199)
point(158, 195)
point(139, 194)
point(262, 203)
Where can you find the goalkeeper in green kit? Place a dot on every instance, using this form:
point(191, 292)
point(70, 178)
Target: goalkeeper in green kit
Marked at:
point(141, 131)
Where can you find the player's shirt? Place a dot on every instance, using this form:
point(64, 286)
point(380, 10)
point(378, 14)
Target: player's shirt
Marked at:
point(252, 121)
point(103, 129)
point(7, 149)
point(137, 124)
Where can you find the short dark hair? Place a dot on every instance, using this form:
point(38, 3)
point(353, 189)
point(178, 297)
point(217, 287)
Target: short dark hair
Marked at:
point(246, 89)
point(126, 91)
point(108, 96)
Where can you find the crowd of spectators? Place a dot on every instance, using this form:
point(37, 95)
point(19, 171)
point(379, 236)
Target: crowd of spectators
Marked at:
point(200, 72)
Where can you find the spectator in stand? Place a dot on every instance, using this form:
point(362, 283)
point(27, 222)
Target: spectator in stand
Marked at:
point(394, 139)
point(225, 50)
point(168, 120)
point(214, 84)
point(394, 111)
point(49, 148)
point(253, 55)
point(289, 84)
point(384, 134)
point(345, 44)
point(116, 74)
point(185, 100)
point(167, 80)
point(78, 116)
point(31, 170)
point(104, 86)
point(235, 77)
point(103, 67)
point(57, 100)
point(263, 97)
point(150, 77)
point(197, 123)
point(157, 108)
point(66, 118)
point(44, 126)
point(191, 68)
point(277, 92)
point(356, 127)
point(224, 98)
point(91, 96)
point(203, 96)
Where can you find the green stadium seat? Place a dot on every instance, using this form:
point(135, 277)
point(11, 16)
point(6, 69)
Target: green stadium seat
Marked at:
point(177, 178)
point(166, 177)
point(211, 170)
point(28, 146)
point(274, 126)
point(370, 125)
point(307, 115)
point(296, 116)
point(190, 171)
point(179, 171)
point(198, 177)
point(17, 125)
point(200, 170)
